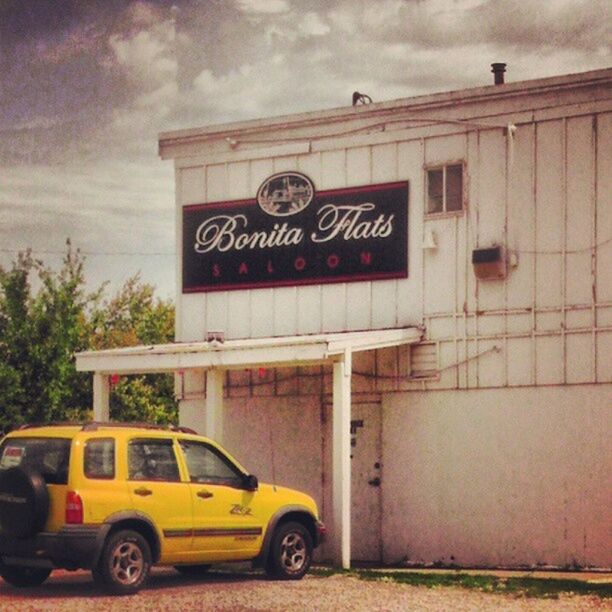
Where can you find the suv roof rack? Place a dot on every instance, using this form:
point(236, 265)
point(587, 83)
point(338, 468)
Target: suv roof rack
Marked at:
point(49, 424)
point(95, 425)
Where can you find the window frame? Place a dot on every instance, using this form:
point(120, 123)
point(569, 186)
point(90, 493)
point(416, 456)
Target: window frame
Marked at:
point(240, 475)
point(159, 441)
point(94, 440)
point(444, 167)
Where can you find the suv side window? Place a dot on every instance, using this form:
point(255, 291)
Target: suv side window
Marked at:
point(152, 459)
point(207, 465)
point(99, 460)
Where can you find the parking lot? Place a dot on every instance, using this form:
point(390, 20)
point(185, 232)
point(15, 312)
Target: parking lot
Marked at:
point(238, 591)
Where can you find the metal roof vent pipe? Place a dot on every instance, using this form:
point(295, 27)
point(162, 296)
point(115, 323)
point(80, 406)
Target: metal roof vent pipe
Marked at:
point(498, 70)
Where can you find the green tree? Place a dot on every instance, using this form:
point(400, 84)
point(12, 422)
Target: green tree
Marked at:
point(39, 334)
point(135, 316)
point(42, 329)
point(14, 296)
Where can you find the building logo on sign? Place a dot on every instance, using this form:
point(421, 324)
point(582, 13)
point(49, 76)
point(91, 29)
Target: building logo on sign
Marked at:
point(285, 194)
point(291, 235)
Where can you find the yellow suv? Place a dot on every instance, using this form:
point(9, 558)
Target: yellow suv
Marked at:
point(118, 498)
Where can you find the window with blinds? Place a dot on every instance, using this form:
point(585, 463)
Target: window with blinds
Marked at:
point(445, 190)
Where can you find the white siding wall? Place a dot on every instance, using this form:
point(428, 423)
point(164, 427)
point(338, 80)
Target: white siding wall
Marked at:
point(492, 477)
point(503, 459)
point(498, 477)
point(545, 196)
point(546, 199)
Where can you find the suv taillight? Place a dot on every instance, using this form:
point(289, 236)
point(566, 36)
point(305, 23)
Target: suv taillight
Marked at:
point(74, 508)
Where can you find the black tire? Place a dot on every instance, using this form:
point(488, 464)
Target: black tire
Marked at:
point(23, 576)
point(290, 552)
point(24, 502)
point(125, 563)
point(192, 571)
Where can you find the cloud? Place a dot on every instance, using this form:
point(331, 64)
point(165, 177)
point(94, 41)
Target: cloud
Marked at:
point(95, 84)
point(312, 25)
point(142, 63)
point(264, 87)
point(146, 56)
point(143, 14)
point(104, 206)
point(85, 87)
point(78, 41)
point(263, 7)
point(393, 49)
point(577, 24)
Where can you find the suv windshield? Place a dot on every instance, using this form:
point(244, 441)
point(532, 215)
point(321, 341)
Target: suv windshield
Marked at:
point(49, 456)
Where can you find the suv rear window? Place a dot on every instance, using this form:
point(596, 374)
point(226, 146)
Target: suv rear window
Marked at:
point(49, 456)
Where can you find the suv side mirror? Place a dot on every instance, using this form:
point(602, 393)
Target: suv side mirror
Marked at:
point(250, 482)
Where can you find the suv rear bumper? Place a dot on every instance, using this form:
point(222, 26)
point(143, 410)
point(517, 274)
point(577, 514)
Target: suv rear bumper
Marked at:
point(72, 547)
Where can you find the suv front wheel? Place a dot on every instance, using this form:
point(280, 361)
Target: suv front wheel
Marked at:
point(290, 552)
point(124, 564)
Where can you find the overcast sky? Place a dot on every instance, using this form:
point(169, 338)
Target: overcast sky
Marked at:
point(87, 85)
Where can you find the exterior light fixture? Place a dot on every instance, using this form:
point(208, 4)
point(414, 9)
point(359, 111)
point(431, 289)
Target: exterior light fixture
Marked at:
point(430, 241)
point(215, 337)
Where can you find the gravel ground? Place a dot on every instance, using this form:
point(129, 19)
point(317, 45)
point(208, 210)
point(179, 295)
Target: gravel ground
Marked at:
point(167, 590)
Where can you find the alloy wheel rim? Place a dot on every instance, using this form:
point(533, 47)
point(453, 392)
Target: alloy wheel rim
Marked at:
point(293, 552)
point(127, 563)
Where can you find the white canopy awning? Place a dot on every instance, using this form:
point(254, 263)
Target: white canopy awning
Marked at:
point(238, 354)
point(217, 355)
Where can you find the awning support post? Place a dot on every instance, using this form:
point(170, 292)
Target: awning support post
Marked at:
point(341, 459)
point(101, 394)
point(214, 404)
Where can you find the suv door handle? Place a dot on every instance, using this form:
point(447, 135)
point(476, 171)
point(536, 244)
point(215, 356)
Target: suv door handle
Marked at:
point(204, 494)
point(143, 491)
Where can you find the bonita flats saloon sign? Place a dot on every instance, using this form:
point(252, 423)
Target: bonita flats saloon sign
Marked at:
point(291, 235)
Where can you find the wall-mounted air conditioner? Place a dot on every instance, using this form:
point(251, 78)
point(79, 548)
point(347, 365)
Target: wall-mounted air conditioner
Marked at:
point(489, 263)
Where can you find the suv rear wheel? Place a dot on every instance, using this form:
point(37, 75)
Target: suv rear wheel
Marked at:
point(290, 552)
point(124, 564)
point(23, 576)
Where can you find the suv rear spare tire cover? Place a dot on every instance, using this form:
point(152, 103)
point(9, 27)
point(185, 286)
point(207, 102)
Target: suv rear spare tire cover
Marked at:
point(24, 502)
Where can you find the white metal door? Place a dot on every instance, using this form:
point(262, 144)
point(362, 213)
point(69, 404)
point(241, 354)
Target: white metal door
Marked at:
point(366, 476)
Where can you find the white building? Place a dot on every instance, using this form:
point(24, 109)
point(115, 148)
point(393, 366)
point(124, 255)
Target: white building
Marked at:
point(475, 265)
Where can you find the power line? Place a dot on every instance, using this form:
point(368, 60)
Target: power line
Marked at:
point(567, 252)
point(94, 253)
point(172, 253)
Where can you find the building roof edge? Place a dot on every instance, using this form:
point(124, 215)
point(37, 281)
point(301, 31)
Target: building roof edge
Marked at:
point(422, 102)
